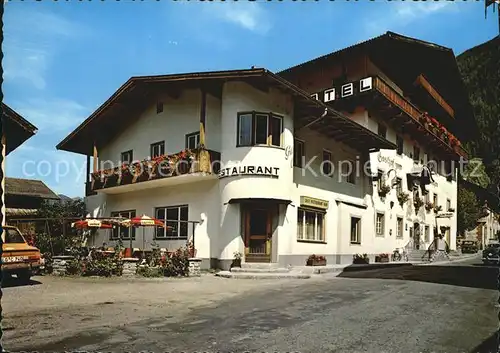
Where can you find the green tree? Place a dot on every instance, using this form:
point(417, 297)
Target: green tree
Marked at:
point(55, 233)
point(468, 210)
point(475, 172)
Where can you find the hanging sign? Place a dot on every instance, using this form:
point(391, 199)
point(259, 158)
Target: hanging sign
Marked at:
point(249, 170)
point(344, 91)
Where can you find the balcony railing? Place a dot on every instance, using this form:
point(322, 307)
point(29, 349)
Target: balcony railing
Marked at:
point(166, 166)
point(429, 126)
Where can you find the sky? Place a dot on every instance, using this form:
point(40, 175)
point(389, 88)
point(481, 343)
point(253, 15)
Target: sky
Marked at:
point(62, 60)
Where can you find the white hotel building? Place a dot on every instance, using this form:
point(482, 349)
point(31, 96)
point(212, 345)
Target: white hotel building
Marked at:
point(250, 187)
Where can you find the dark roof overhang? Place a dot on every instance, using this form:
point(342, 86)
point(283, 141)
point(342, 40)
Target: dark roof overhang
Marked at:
point(16, 129)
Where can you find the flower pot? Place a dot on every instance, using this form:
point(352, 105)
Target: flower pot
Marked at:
point(236, 263)
point(316, 262)
point(381, 259)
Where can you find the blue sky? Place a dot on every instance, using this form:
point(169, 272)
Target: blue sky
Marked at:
point(62, 60)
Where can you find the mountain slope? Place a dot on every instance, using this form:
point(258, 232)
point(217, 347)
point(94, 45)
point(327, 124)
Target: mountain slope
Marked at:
point(480, 69)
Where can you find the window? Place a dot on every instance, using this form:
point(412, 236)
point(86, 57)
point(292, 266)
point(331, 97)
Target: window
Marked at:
point(355, 230)
point(348, 172)
point(310, 225)
point(379, 224)
point(159, 107)
point(382, 130)
point(13, 236)
point(298, 153)
point(427, 234)
point(259, 129)
point(127, 157)
point(175, 217)
point(399, 144)
point(157, 149)
point(193, 140)
point(416, 154)
point(399, 186)
point(399, 230)
point(448, 204)
point(123, 232)
point(435, 200)
point(326, 166)
point(380, 180)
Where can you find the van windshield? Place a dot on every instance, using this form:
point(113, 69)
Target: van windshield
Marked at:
point(13, 236)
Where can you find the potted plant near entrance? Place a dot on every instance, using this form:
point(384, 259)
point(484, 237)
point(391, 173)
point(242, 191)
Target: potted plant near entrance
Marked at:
point(360, 259)
point(382, 258)
point(236, 260)
point(316, 260)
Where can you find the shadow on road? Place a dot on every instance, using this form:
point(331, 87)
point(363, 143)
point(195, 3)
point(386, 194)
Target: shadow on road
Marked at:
point(14, 282)
point(490, 345)
point(464, 276)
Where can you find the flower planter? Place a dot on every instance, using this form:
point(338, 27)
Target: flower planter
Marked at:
point(183, 166)
point(236, 263)
point(361, 261)
point(316, 262)
point(381, 259)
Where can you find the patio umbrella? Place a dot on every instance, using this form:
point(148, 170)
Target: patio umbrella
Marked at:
point(90, 223)
point(143, 221)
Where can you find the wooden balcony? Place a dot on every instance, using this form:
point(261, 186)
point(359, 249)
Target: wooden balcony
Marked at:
point(200, 162)
point(400, 113)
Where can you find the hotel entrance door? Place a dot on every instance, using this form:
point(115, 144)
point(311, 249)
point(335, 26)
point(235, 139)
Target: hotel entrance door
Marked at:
point(258, 234)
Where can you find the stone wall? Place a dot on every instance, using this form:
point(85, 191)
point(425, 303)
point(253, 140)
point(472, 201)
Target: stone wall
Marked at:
point(60, 263)
point(194, 267)
point(129, 266)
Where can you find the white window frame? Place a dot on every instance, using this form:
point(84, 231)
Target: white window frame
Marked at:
point(156, 149)
point(399, 227)
point(253, 133)
point(319, 235)
point(189, 139)
point(380, 224)
point(357, 241)
point(177, 226)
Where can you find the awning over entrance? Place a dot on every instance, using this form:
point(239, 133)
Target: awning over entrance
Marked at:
point(259, 200)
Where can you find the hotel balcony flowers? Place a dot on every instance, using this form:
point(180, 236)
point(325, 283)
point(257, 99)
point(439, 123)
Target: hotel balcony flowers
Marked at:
point(188, 161)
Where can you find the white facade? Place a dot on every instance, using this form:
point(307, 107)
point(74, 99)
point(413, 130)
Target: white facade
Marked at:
point(486, 231)
point(213, 202)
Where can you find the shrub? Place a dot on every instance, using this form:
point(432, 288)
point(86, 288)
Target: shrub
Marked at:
point(360, 259)
point(177, 264)
point(147, 271)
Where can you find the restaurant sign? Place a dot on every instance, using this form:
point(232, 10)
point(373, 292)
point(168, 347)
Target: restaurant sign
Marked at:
point(249, 170)
point(312, 202)
point(344, 91)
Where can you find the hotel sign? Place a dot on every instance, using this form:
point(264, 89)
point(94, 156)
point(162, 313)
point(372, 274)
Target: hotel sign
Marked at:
point(312, 202)
point(344, 91)
point(249, 170)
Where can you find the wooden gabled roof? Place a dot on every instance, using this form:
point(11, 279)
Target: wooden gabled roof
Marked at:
point(403, 59)
point(126, 104)
point(29, 187)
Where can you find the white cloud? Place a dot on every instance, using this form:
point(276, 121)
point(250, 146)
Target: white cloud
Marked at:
point(55, 115)
point(403, 13)
point(248, 15)
point(32, 39)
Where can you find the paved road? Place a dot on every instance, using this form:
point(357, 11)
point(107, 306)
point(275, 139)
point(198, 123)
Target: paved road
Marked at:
point(415, 309)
